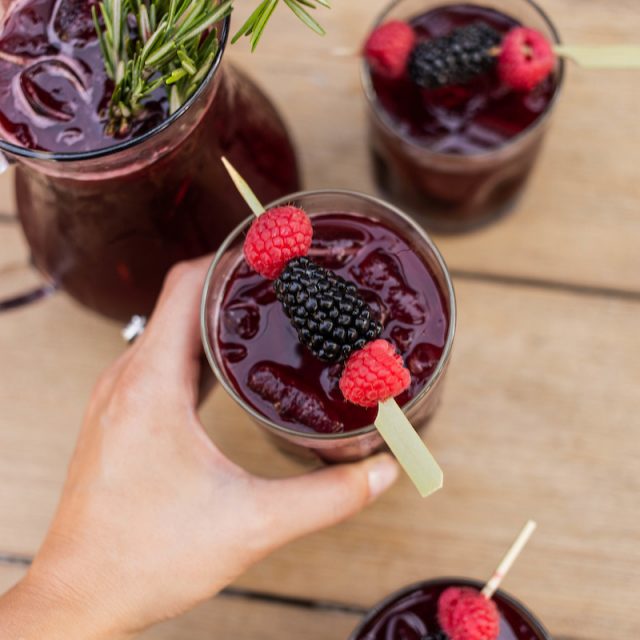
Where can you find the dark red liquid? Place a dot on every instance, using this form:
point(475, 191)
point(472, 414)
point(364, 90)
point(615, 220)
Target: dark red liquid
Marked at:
point(412, 615)
point(285, 382)
point(432, 149)
point(473, 118)
point(108, 229)
point(53, 86)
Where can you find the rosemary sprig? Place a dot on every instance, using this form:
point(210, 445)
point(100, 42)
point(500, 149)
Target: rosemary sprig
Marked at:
point(255, 24)
point(147, 44)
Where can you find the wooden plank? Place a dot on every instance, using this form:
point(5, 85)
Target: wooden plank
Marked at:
point(10, 573)
point(238, 617)
point(539, 420)
point(242, 619)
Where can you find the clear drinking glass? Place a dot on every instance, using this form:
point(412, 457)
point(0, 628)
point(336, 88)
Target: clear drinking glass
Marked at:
point(106, 225)
point(454, 192)
point(416, 607)
point(351, 445)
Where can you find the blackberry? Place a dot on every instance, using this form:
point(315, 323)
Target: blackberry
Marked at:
point(330, 316)
point(454, 59)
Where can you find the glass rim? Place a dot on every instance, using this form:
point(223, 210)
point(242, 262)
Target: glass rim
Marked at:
point(513, 602)
point(382, 117)
point(223, 378)
point(73, 156)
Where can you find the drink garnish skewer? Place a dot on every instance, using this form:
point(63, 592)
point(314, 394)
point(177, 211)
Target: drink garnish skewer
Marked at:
point(464, 613)
point(523, 57)
point(335, 323)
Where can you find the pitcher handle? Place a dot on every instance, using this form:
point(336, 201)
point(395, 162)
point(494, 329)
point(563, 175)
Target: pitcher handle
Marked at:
point(30, 295)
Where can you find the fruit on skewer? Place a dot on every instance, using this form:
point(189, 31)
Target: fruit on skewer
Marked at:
point(523, 56)
point(388, 48)
point(464, 613)
point(335, 323)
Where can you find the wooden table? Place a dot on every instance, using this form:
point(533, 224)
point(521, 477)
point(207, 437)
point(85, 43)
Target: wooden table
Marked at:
point(541, 412)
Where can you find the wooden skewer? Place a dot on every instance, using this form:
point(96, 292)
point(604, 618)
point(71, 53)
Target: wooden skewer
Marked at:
point(245, 190)
point(408, 448)
point(613, 56)
point(509, 558)
point(391, 422)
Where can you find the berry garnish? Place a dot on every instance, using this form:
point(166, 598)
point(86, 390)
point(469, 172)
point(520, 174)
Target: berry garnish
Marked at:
point(387, 49)
point(526, 59)
point(374, 374)
point(465, 614)
point(275, 237)
point(330, 316)
point(333, 320)
point(454, 59)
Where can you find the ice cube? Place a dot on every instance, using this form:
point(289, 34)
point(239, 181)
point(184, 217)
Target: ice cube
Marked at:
point(379, 309)
point(232, 352)
point(50, 90)
point(376, 270)
point(73, 22)
point(423, 360)
point(70, 136)
point(24, 34)
point(402, 337)
point(291, 399)
point(242, 319)
point(334, 253)
point(406, 306)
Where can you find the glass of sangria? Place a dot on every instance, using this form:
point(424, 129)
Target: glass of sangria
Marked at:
point(412, 614)
point(254, 350)
point(106, 215)
point(457, 156)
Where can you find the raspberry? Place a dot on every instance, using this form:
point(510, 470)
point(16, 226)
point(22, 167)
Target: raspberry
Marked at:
point(275, 237)
point(373, 374)
point(465, 614)
point(526, 59)
point(388, 47)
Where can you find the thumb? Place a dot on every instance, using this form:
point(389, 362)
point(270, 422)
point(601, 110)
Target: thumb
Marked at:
point(301, 505)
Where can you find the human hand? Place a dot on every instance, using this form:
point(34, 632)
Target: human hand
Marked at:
point(153, 519)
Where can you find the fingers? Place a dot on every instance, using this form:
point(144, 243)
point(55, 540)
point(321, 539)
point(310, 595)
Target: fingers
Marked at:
point(298, 506)
point(171, 345)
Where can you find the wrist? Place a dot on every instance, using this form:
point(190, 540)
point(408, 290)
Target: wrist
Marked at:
point(36, 609)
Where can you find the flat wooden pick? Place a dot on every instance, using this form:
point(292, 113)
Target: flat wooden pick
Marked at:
point(408, 448)
point(245, 190)
point(615, 56)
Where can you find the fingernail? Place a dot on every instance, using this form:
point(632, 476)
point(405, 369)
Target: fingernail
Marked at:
point(382, 473)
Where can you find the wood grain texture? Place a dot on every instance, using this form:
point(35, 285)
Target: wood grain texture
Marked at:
point(237, 617)
point(539, 420)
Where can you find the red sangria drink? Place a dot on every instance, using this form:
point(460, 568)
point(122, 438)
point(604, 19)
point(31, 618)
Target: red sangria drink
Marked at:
point(453, 138)
point(111, 193)
point(412, 614)
point(254, 349)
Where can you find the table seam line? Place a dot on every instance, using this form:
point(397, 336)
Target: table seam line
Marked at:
point(590, 291)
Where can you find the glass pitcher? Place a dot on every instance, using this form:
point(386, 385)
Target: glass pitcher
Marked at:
point(106, 225)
